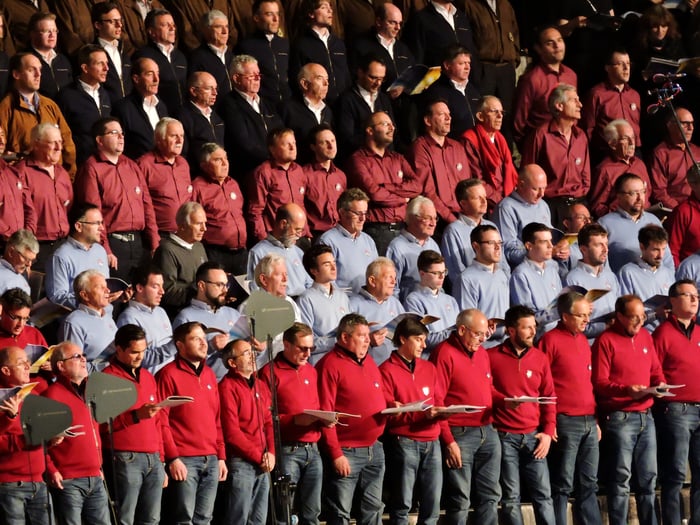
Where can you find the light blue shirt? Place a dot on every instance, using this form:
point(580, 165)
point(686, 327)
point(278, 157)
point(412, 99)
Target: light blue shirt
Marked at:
point(536, 288)
point(689, 268)
point(512, 214)
point(93, 332)
point(367, 305)
point(9, 279)
point(585, 275)
point(159, 333)
point(404, 251)
point(297, 278)
point(424, 301)
point(352, 255)
point(639, 278)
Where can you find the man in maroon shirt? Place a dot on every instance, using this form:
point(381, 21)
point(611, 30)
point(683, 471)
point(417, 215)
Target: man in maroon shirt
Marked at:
point(17, 203)
point(677, 341)
point(683, 225)
point(561, 148)
point(574, 456)
point(116, 184)
point(167, 173)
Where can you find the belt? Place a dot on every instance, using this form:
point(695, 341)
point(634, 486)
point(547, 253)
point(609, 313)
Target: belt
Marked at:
point(299, 444)
point(124, 236)
point(391, 226)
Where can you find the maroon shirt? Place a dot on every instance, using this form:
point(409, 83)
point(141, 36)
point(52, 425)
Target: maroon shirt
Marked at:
point(52, 198)
point(170, 187)
point(603, 104)
point(668, 168)
point(16, 206)
point(684, 229)
point(566, 164)
point(602, 197)
point(223, 205)
point(321, 197)
point(388, 181)
point(439, 169)
point(120, 191)
point(272, 186)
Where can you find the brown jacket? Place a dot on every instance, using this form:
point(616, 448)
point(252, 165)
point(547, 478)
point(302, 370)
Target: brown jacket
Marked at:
point(187, 14)
point(74, 23)
point(19, 12)
point(496, 42)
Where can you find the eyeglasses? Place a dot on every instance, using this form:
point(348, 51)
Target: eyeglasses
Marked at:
point(113, 132)
point(437, 273)
point(495, 111)
point(639, 193)
point(48, 31)
point(218, 285)
point(478, 335)
point(687, 123)
point(580, 217)
point(18, 317)
point(636, 318)
point(689, 295)
point(21, 364)
point(114, 21)
point(580, 316)
point(245, 353)
point(426, 218)
point(26, 260)
point(304, 349)
point(497, 244)
point(77, 357)
point(252, 76)
point(92, 223)
point(358, 214)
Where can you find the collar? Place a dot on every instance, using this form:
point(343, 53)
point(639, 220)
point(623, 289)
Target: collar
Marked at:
point(255, 99)
point(589, 269)
point(448, 10)
point(201, 305)
point(206, 110)
point(196, 369)
point(107, 43)
point(166, 49)
point(181, 242)
point(133, 372)
point(410, 364)
point(386, 42)
point(314, 107)
point(351, 355)
point(468, 220)
point(88, 88)
point(90, 311)
point(140, 306)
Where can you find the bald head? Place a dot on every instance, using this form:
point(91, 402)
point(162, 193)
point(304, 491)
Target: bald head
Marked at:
point(388, 21)
point(290, 224)
point(532, 182)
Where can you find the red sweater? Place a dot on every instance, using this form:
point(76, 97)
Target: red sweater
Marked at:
point(192, 429)
point(527, 375)
point(464, 379)
point(243, 408)
point(620, 361)
point(400, 384)
point(80, 456)
point(569, 358)
point(146, 435)
point(297, 390)
point(679, 357)
point(344, 385)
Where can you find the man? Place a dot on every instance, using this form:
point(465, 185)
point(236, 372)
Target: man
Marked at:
point(576, 218)
point(116, 185)
point(167, 173)
point(275, 182)
point(144, 311)
point(536, 84)
point(440, 162)
point(76, 482)
point(56, 72)
point(289, 226)
point(574, 455)
point(50, 188)
point(108, 24)
point(171, 62)
point(134, 21)
point(455, 246)
point(428, 298)
point(15, 195)
point(141, 110)
point(561, 149)
point(417, 236)
point(620, 159)
point(180, 254)
point(271, 51)
point(453, 86)
point(377, 301)
point(21, 251)
point(81, 251)
point(319, 45)
point(472, 449)
point(91, 326)
point(192, 436)
point(307, 109)
point(526, 429)
point(213, 56)
point(24, 497)
point(349, 381)
point(137, 455)
point(360, 101)
point(247, 117)
point(325, 182)
point(73, 17)
point(535, 282)
point(624, 224)
point(621, 373)
point(683, 231)
point(246, 422)
point(675, 340)
point(611, 100)
point(670, 161)
point(484, 284)
point(222, 200)
point(202, 124)
point(23, 108)
point(14, 330)
point(489, 152)
point(323, 304)
point(193, 19)
point(85, 101)
point(208, 308)
point(352, 248)
point(17, 25)
point(386, 177)
point(296, 384)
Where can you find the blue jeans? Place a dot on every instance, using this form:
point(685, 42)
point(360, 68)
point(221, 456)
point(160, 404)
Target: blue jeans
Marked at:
point(481, 461)
point(516, 457)
point(139, 478)
point(409, 460)
point(24, 502)
point(367, 472)
point(679, 440)
point(575, 455)
point(630, 443)
point(247, 498)
point(193, 499)
point(82, 500)
point(305, 466)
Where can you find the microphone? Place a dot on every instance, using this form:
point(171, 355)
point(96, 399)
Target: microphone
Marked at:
point(660, 78)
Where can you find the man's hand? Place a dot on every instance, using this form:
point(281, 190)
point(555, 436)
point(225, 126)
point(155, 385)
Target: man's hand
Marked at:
point(453, 455)
point(112, 261)
point(11, 406)
point(113, 296)
point(223, 470)
point(513, 404)
point(542, 449)
point(396, 92)
point(268, 462)
point(635, 391)
point(377, 338)
point(219, 341)
point(56, 480)
point(56, 441)
point(178, 470)
point(342, 466)
point(598, 431)
point(147, 411)
point(305, 420)
point(561, 250)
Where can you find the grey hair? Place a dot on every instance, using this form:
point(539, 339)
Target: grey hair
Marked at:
point(558, 96)
point(610, 132)
point(239, 61)
point(161, 129)
point(375, 267)
point(415, 204)
point(182, 216)
point(265, 266)
point(39, 130)
point(208, 18)
point(22, 239)
point(82, 281)
point(206, 151)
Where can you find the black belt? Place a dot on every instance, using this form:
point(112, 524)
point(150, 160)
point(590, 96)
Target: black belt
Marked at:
point(125, 236)
point(299, 444)
point(391, 226)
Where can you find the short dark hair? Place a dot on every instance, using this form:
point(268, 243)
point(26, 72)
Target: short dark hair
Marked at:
point(100, 126)
point(140, 274)
point(275, 134)
point(311, 137)
point(516, 313)
point(127, 334)
point(102, 8)
point(673, 289)
point(651, 233)
point(86, 51)
point(477, 233)
point(531, 229)
point(15, 63)
point(14, 299)
point(349, 321)
point(78, 212)
point(204, 268)
point(427, 258)
point(351, 195)
point(365, 61)
point(566, 301)
point(407, 327)
point(150, 20)
point(623, 179)
point(623, 301)
point(181, 332)
point(291, 333)
point(453, 51)
point(313, 253)
point(592, 229)
point(464, 186)
point(258, 3)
